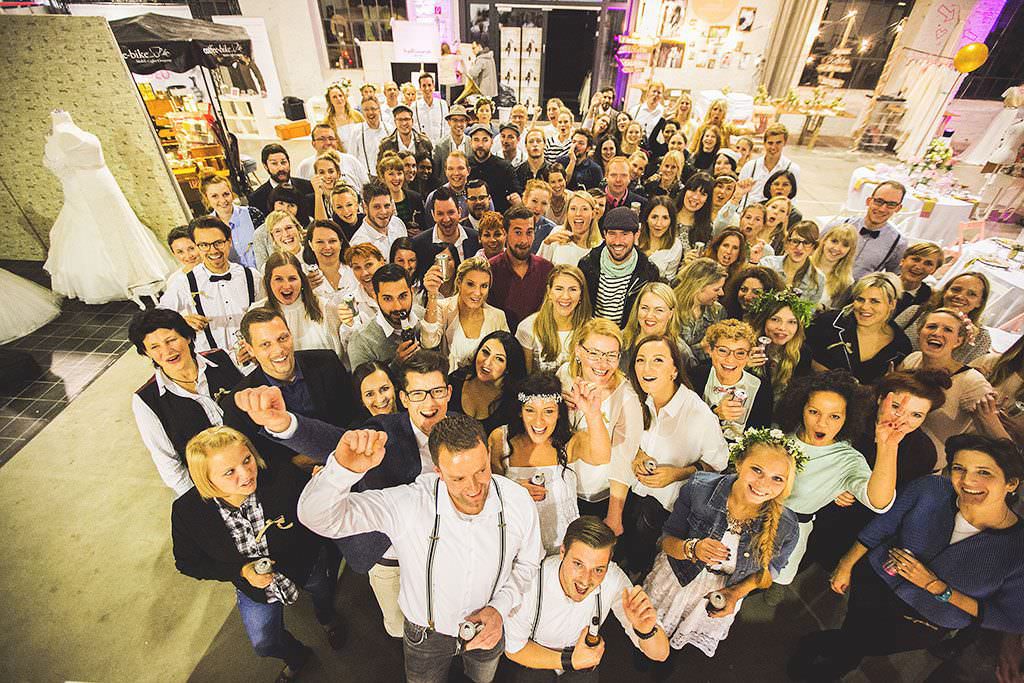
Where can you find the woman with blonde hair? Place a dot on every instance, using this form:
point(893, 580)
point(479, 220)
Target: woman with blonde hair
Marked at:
point(570, 242)
point(326, 174)
point(666, 180)
point(244, 221)
point(339, 112)
point(283, 233)
point(776, 220)
point(795, 265)
point(659, 236)
point(466, 317)
point(547, 334)
point(593, 362)
point(968, 293)
point(220, 532)
point(728, 534)
point(834, 257)
point(632, 139)
point(312, 320)
point(654, 313)
point(701, 283)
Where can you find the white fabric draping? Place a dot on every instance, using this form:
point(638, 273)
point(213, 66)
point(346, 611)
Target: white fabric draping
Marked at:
point(926, 87)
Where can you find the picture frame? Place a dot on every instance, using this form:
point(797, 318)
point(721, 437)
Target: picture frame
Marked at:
point(672, 27)
point(745, 19)
point(717, 34)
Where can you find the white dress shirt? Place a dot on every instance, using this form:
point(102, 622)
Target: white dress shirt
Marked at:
point(466, 560)
point(364, 145)
point(306, 332)
point(756, 169)
point(430, 120)
point(172, 470)
point(224, 303)
point(381, 240)
point(352, 171)
point(648, 118)
point(561, 618)
point(682, 433)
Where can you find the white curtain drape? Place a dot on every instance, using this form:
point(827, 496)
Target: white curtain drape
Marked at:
point(789, 43)
point(926, 85)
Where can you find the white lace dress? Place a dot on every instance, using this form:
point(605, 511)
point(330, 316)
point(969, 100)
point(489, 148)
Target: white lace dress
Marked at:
point(682, 610)
point(24, 306)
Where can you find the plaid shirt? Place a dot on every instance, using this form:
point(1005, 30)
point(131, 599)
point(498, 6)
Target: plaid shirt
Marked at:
point(248, 529)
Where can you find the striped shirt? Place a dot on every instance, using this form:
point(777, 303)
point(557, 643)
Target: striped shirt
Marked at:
point(555, 150)
point(611, 296)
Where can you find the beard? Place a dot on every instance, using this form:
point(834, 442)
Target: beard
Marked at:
point(282, 176)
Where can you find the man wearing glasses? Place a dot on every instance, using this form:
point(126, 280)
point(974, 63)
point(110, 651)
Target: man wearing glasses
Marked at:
point(880, 245)
point(422, 381)
point(214, 295)
point(325, 138)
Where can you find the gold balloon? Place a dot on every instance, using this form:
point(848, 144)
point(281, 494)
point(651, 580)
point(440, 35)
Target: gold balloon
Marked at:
point(970, 57)
point(713, 11)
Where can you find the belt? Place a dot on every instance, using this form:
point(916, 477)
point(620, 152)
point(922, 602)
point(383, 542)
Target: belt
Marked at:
point(387, 562)
point(804, 517)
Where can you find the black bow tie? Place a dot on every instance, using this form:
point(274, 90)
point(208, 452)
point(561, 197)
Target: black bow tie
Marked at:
point(226, 277)
point(870, 233)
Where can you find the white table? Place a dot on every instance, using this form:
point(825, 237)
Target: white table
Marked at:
point(937, 219)
point(1006, 301)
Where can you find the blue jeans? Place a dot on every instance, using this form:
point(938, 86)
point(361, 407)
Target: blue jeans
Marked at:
point(264, 621)
point(429, 654)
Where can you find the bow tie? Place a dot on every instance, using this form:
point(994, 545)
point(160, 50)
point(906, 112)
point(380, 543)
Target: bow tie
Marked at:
point(226, 277)
point(872, 234)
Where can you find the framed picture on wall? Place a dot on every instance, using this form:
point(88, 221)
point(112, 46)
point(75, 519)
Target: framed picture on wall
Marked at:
point(745, 21)
point(672, 14)
point(717, 34)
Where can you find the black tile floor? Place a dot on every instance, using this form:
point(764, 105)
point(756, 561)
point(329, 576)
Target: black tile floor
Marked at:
point(71, 351)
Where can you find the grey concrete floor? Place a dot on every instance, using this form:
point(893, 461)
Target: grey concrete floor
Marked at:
point(90, 592)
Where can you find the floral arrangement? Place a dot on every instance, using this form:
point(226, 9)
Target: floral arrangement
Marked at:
point(937, 158)
point(819, 100)
point(762, 96)
point(802, 309)
point(344, 83)
point(769, 437)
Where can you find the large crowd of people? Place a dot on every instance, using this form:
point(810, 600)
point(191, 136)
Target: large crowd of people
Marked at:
point(529, 373)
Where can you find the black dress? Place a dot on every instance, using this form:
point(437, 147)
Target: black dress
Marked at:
point(503, 413)
point(832, 341)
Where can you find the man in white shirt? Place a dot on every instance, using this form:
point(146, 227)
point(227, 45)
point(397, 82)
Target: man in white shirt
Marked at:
point(468, 542)
point(379, 227)
point(365, 138)
point(391, 93)
point(215, 295)
point(758, 170)
point(570, 592)
point(324, 138)
point(650, 111)
point(429, 113)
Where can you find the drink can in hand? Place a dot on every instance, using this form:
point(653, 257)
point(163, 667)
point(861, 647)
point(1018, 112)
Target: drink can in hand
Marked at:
point(716, 602)
point(538, 479)
point(650, 465)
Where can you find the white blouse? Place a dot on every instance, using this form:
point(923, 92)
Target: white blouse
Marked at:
point(526, 337)
point(668, 260)
point(623, 418)
point(307, 333)
point(460, 347)
point(559, 254)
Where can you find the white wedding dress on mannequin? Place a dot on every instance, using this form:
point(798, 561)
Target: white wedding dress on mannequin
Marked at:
point(982, 151)
point(99, 250)
point(24, 307)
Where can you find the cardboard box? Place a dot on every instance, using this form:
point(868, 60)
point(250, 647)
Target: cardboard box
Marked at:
point(293, 129)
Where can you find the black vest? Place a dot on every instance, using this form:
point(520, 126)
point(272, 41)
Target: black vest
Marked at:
point(182, 418)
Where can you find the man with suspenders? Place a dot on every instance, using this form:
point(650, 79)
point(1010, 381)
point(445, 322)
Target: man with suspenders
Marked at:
point(759, 169)
point(553, 635)
point(214, 295)
point(468, 542)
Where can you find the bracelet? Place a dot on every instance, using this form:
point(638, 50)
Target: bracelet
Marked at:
point(645, 636)
point(691, 549)
point(567, 660)
point(945, 595)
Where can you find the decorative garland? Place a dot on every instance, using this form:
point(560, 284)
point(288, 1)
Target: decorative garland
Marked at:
point(802, 309)
point(769, 437)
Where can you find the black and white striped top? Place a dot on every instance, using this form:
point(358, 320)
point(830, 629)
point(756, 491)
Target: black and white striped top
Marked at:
point(611, 296)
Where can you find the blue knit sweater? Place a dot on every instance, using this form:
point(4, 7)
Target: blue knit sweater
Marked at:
point(988, 566)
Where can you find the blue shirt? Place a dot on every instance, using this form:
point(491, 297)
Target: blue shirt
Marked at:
point(242, 231)
point(296, 393)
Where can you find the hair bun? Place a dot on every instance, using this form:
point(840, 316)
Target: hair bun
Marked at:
point(937, 378)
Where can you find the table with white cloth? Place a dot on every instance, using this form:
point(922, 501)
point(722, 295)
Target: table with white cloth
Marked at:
point(1005, 308)
point(936, 218)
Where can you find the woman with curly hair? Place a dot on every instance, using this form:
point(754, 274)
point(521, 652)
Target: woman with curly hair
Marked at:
point(825, 413)
point(539, 450)
point(728, 535)
point(780, 319)
point(745, 286)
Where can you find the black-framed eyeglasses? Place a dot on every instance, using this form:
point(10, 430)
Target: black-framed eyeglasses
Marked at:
point(420, 395)
point(800, 242)
point(878, 201)
point(206, 246)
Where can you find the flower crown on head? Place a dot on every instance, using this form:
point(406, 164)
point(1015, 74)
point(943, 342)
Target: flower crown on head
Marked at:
point(970, 329)
point(802, 308)
point(344, 84)
point(769, 437)
point(526, 398)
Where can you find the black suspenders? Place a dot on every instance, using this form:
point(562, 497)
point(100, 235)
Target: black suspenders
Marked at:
point(193, 288)
point(540, 599)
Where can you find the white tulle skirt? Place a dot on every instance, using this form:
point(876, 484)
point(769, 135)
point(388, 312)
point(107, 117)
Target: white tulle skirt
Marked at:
point(24, 306)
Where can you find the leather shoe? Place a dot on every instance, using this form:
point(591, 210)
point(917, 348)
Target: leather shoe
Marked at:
point(337, 634)
point(288, 673)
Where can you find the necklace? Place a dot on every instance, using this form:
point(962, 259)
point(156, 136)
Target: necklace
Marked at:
point(734, 525)
point(180, 381)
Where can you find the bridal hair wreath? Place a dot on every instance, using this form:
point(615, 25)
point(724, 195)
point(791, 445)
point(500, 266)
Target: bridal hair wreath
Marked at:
point(769, 437)
point(802, 309)
point(526, 398)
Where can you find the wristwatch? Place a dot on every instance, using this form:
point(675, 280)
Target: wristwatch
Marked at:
point(567, 660)
point(945, 595)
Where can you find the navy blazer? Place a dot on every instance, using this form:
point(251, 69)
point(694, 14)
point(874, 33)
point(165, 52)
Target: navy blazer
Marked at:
point(427, 249)
point(401, 465)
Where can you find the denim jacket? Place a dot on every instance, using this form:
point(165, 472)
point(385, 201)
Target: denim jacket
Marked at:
point(700, 512)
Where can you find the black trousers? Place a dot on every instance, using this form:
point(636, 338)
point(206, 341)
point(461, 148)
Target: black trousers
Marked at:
point(598, 509)
point(877, 622)
point(520, 674)
point(642, 520)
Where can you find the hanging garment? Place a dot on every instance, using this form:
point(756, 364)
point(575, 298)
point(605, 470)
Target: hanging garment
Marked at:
point(24, 307)
point(99, 250)
point(981, 151)
point(926, 88)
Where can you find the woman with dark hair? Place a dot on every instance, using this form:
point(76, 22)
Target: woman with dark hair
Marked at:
point(693, 210)
point(1005, 372)
point(780, 319)
point(325, 245)
point(707, 141)
point(664, 461)
point(747, 285)
point(659, 237)
point(425, 181)
point(825, 413)
point(375, 388)
point(783, 184)
point(605, 149)
point(403, 253)
point(313, 322)
point(486, 387)
point(538, 449)
point(729, 249)
point(180, 399)
point(946, 556)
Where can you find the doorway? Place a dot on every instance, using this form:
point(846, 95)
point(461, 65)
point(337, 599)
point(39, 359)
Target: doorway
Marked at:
point(569, 45)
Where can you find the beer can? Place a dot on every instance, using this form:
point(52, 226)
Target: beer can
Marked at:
point(538, 479)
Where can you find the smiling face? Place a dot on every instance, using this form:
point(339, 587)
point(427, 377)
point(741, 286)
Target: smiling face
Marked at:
point(467, 475)
point(872, 307)
point(428, 412)
point(634, 133)
point(407, 259)
point(424, 168)
point(491, 361)
point(978, 480)
point(446, 218)
point(599, 357)
point(723, 192)
point(457, 126)
point(286, 236)
point(781, 326)
point(565, 294)
point(582, 569)
point(729, 358)
point(882, 205)
point(538, 201)
point(693, 200)
point(346, 206)
point(728, 251)
point(964, 294)
point(835, 249)
point(655, 370)
point(620, 243)
point(279, 167)
point(363, 269)
point(824, 417)
point(579, 216)
point(427, 88)
point(285, 284)
point(232, 470)
point(557, 183)
point(168, 349)
point(186, 253)
point(658, 222)
point(214, 246)
point(709, 140)
point(473, 289)
point(403, 122)
point(762, 475)
point(327, 171)
point(377, 393)
point(380, 210)
point(669, 170)
point(478, 201)
point(748, 290)
point(677, 143)
point(653, 314)
point(915, 268)
point(711, 293)
point(940, 335)
point(492, 240)
point(394, 299)
point(220, 198)
point(540, 417)
point(637, 164)
point(520, 238)
point(273, 348)
point(371, 112)
point(326, 244)
point(798, 247)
